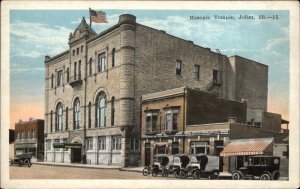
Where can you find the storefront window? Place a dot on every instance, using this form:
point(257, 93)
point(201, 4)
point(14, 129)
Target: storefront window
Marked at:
point(199, 147)
point(102, 143)
point(116, 143)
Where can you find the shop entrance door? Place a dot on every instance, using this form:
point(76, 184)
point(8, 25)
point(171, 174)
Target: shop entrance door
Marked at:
point(147, 154)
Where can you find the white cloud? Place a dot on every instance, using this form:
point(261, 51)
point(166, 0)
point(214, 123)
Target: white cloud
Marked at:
point(20, 70)
point(28, 36)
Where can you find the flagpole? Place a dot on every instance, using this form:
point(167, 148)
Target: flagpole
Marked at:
point(90, 17)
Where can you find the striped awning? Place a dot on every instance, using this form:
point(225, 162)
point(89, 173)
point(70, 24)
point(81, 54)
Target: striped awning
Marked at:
point(248, 147)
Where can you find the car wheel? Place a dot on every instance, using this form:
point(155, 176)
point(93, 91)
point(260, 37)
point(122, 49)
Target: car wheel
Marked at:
point(182, 174)
point(177, 173)
point(265, 176)
point(20, 163)
point(165, 173)
point(236, 176)
point(197, 174)
point(154, 173)
point(145, 171)
point(26, 161)
point(275, 175)
point(214, 175)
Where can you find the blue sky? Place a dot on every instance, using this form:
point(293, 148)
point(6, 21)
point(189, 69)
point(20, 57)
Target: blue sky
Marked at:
point(36, 33)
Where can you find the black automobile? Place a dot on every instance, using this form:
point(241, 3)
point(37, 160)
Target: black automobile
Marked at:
point(176, 163)
point(262, 166)
point(22, 159)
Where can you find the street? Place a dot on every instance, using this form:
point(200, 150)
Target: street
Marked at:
point(37, 171)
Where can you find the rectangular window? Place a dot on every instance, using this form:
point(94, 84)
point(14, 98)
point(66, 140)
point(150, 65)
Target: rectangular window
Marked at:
point(178, 67)
point(197, 72)
point(90, 115)
point(161, 150)
point(33, 134)
point(89, 143)
point(28, 134)
point(199, 147)
point(77, 50)
point(216, 77)
point(102, 143)
point(75, 70)
point(59, 78)
point(68, 75)
point(171, 120)
point(79, 69)
point(148, 122)
point(175, 147)
point(101, 62)
point(73, 52)
point(135, 144)
point(116, 143)
point(151, 121)
point(23, 135)
point(81, 50)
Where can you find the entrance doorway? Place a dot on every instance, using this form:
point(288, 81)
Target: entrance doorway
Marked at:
point(75, 155)
point(147, 154)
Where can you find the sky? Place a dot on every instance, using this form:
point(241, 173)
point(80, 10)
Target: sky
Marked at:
point(37, 33)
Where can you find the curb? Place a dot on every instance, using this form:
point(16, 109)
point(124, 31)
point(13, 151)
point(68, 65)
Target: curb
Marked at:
point(128, 170)
point(77, 166)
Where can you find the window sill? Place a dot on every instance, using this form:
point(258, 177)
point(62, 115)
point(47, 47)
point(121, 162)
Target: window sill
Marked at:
point(151, 132)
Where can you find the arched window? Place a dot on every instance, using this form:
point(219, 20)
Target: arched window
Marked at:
point(90, 115)
point(112, 111)
point(90, 67)
point(76, 114)
point(101, 110)
point(67, 118)
point(68, 75)
point(113, 57)
point(59, 117)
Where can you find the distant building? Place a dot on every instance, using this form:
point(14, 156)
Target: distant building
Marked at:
point(190, 121)
point(11, 143)
point(29, 138)
point(93, 90)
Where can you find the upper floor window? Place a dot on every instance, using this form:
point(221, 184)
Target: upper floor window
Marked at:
point(102, 143)
point(79, 69)
point(76, 114)
point(89, 143)
point(101, 110)
point(81, 49)
point(68, 75)
point(112, 111)
point(33, 134)
point(101, 62)
point(116, 143)
point(59, 78)
point(151, 121)
point(178, 67)
point(171, 120)
point(23, 135)
point(73, 52)
point(67, 118)
point(90, 115)
point(77, 51)
point(216, 77)
point(197, 72)
point(75, 70)
point(90, 67)
point(59, 117)
point(51, 121)
point(28, 134)
point(52, 80)
point(113, 57)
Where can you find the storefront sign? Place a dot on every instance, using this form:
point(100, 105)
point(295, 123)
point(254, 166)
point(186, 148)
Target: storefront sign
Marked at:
point(30, 145)
point(67, 145)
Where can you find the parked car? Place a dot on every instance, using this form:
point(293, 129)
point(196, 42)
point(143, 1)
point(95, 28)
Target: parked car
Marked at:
point(176, 163)
point(202, 165)
point(262, 166)
point(22, 159)
point(159, 165)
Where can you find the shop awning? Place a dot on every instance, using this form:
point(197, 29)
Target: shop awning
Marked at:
point(25, 145)
point(248, 147)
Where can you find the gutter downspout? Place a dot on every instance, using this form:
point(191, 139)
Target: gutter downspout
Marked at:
point(184, 118)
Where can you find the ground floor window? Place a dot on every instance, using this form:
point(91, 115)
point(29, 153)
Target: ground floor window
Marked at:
point(199, 147)
point(102, 143)
point(116, 141)
point(175, 147)
point(65, 141)
point(135, 144)
point(161, 149)
point(89, 143)
point(57, 141)
point(48, 145)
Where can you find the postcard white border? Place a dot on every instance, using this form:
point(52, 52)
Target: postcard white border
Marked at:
point(292, 6)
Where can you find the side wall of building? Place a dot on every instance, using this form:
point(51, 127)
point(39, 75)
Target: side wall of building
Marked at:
point(205, 108)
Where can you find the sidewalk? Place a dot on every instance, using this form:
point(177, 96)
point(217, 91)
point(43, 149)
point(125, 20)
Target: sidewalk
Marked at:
point(79, 165)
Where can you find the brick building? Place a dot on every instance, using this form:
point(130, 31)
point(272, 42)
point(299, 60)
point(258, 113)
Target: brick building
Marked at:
point(190, 121)
point(93, 90)
point(29, 138)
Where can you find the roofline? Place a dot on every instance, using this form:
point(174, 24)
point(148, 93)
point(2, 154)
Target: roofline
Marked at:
point(29, 121)
point(247, 59)
point(103, 33)
point(57, 56)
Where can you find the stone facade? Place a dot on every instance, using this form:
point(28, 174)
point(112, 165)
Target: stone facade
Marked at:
point(120, 65)
point(29, 138)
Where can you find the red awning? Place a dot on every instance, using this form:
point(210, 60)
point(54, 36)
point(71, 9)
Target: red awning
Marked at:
point(248, 147)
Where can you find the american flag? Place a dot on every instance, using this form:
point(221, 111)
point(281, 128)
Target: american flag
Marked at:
point(98, 16)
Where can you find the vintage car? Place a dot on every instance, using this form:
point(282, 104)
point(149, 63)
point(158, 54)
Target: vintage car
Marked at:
point(176, 163)
point(22, 159)
point(262, 166)
point(159, 165)
point(202, 165)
